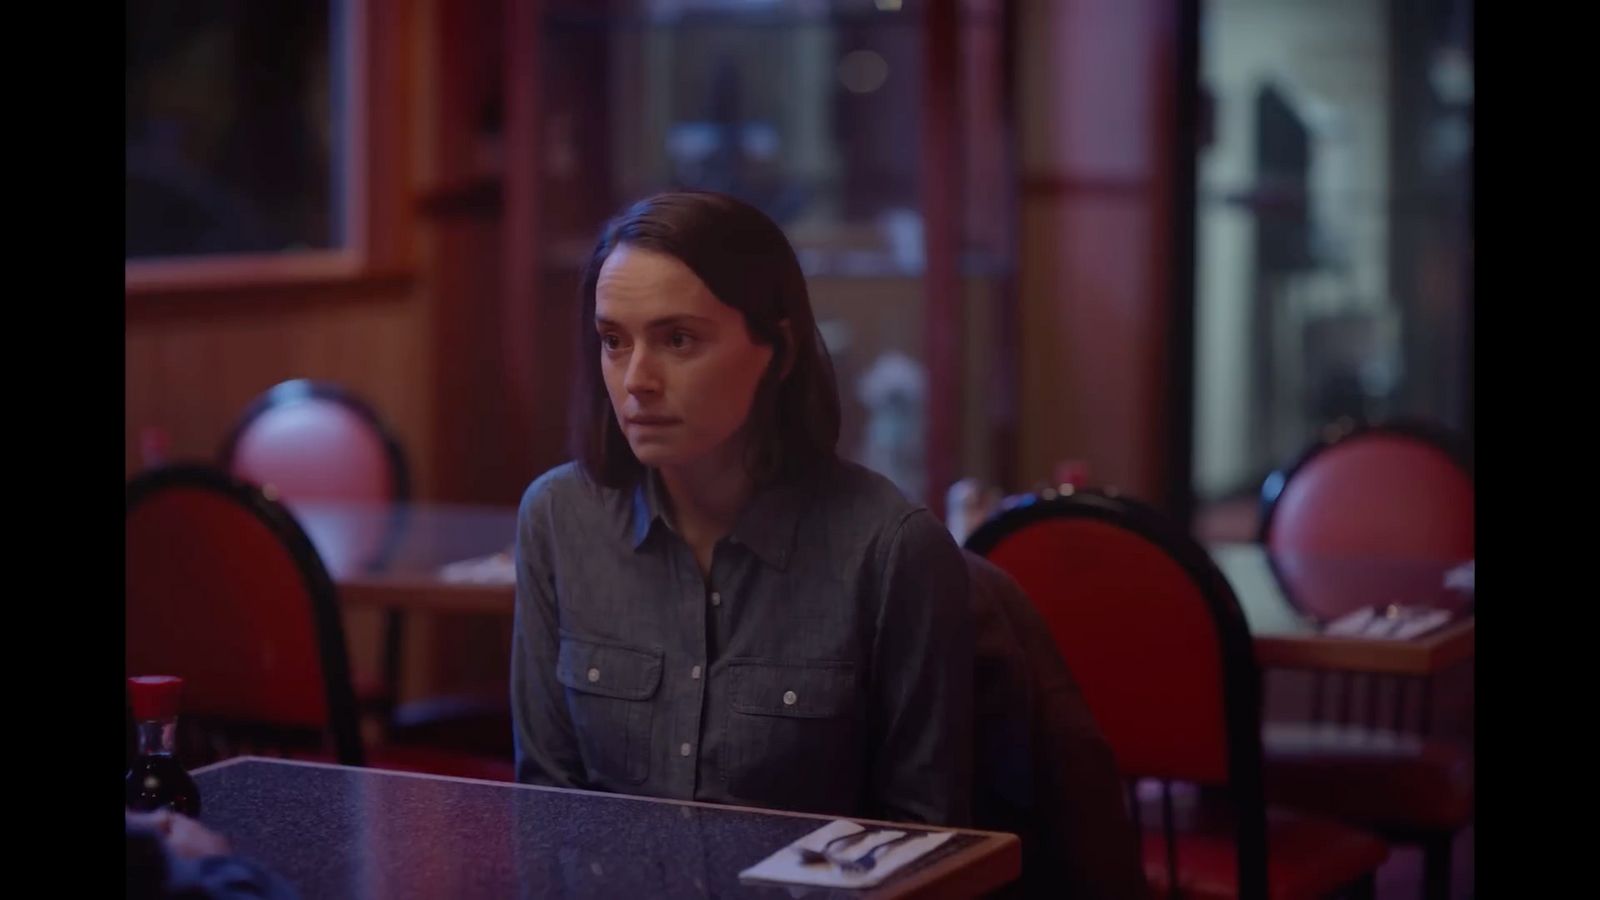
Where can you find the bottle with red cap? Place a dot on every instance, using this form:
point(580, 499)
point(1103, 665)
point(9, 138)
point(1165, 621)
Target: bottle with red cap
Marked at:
point(156, 779)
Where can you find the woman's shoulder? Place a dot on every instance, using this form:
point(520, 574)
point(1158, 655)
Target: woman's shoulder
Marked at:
point(851, 492)
point(566, 488)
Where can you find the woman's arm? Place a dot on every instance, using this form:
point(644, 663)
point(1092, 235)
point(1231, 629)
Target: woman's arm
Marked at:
point(921, 705)
point(546, 746)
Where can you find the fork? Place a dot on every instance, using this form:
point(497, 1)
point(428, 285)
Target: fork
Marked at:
point(812, 857)
point(867, 860)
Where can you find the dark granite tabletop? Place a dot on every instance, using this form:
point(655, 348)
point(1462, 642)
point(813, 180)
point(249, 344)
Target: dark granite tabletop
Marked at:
point(341, 832)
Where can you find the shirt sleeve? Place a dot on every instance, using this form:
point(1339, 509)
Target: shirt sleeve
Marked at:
point(546, 744)
point(921, 686)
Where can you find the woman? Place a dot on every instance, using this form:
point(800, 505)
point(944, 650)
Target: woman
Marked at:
point(712, 605)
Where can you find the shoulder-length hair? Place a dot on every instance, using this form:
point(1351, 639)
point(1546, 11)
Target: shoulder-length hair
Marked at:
point(744, 259)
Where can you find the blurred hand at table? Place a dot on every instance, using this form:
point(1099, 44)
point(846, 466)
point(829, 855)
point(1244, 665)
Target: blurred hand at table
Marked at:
point(183, 837)
point(173, 856)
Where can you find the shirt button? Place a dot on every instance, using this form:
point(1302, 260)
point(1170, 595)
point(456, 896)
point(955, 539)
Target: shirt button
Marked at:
point(594, 675)
point(684, 749)
point(694, 673)
point(716, 599)
point(789, 698)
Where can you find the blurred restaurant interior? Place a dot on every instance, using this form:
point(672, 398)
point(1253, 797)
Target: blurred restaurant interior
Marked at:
point(1210, 257)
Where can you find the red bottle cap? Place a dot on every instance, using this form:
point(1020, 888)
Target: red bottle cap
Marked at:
point(154, 696)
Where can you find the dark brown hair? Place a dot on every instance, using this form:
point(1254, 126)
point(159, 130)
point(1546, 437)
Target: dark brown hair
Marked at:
point(746, 262)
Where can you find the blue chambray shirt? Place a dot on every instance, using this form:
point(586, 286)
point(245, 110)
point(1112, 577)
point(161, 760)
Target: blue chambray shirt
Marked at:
point(825, 665)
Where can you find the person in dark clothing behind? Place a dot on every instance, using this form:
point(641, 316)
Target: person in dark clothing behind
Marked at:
point(1042, 768)
point(173, 857)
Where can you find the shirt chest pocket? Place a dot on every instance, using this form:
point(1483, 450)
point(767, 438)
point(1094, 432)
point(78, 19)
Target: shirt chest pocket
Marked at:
point(793, 728)
point(610, 691)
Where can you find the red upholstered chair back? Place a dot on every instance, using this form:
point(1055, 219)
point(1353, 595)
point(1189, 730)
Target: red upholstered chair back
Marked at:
point(1398, 490)
point(224, 590)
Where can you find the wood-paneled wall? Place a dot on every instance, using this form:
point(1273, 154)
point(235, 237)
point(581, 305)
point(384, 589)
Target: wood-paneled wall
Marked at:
point(191, 370)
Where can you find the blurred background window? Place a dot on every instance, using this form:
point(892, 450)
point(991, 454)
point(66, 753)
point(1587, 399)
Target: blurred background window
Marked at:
point(234, 138)
point(1333, 226)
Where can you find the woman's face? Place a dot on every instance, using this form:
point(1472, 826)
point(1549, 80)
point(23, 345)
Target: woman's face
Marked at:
point(679, 364)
